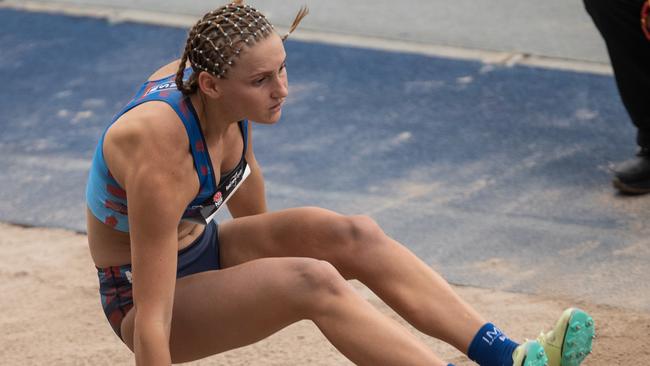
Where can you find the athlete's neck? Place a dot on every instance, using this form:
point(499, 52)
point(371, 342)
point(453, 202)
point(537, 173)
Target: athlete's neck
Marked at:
point(214, 118)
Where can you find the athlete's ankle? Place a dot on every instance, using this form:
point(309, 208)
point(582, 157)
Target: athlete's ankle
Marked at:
point(491, 346)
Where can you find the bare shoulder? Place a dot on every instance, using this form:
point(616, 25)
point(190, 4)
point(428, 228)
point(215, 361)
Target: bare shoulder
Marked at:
point(169, 69)
point(149, 136)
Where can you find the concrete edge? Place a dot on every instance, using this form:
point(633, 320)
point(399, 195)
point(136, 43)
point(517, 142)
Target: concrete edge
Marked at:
point(508, 59)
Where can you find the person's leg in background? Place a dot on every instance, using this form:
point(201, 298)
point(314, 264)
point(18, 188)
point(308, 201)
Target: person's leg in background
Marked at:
point(619, 23)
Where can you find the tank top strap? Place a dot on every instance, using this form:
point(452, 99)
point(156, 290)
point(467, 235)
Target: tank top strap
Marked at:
point(243, 126)
point(164, 90)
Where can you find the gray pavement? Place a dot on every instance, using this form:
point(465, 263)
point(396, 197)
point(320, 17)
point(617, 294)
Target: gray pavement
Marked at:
point(552, 28)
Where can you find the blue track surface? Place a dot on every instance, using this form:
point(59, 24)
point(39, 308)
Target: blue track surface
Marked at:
point(495, 175)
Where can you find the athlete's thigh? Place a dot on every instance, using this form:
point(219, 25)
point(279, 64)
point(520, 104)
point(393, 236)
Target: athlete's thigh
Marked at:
point(298, 232)
point(216, 311)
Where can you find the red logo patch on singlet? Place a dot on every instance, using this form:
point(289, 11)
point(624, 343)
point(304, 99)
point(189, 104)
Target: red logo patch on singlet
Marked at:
point(218, 199)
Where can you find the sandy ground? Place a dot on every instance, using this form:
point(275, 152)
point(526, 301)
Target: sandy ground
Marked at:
point(50, 314)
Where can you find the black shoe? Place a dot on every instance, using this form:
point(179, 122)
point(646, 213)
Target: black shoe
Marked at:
point(633, 177)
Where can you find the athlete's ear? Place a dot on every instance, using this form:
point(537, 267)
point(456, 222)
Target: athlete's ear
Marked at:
point(209, 85)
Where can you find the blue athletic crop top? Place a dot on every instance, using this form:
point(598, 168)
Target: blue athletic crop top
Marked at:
point(108, 201)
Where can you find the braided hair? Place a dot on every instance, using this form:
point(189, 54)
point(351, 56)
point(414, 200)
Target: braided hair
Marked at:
point(217, 39)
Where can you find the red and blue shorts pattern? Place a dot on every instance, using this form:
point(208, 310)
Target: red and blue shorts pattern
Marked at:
point(115, 287)
point(115, 291)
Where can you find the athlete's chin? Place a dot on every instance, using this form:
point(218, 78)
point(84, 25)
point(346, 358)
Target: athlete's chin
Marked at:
point(269, 119)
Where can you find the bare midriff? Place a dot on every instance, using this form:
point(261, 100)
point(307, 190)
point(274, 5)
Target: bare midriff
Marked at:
point(109, 247)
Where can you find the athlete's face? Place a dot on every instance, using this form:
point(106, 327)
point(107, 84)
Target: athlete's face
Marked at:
point(256, 86)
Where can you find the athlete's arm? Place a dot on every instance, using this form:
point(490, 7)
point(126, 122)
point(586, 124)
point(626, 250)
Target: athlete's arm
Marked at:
point(250, 198)
point(152, 169)
point(153, 219)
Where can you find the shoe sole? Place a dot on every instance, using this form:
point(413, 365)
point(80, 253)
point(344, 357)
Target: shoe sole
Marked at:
point(578, 334)
point(629, 189)
point(535, 355)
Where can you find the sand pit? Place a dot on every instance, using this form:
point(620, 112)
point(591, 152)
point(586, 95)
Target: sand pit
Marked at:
point(50, 314)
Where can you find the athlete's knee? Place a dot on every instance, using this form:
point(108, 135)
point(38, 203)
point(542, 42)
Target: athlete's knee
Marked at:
point(318, 276)
point(365, 227)
point(359, 230)
point(355, 240)
point(344, 228)
point(317, 284)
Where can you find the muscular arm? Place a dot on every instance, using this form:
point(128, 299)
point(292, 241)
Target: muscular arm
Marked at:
point(154, 213)
point(250, 198)
point(153, 170)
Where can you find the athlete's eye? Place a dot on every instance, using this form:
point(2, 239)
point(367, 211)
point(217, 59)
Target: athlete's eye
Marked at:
point(260, 80)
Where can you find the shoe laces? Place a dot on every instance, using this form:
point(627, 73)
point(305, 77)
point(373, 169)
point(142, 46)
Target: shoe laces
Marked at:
point(546, 338)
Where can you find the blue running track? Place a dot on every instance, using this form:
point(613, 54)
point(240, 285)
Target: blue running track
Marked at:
point(495, 175)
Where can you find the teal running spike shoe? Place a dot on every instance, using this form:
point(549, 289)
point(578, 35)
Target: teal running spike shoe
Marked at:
point(530, 353)
point(569, 343)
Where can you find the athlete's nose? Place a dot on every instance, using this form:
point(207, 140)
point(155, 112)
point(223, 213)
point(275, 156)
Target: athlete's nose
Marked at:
point(280, 89)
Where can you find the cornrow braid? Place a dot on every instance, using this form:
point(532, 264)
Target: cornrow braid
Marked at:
point(218, 38)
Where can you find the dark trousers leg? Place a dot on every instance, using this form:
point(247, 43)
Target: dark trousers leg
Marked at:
point(619, 23)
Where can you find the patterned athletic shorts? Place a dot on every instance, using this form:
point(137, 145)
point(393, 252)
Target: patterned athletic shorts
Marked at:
point(115, 287)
